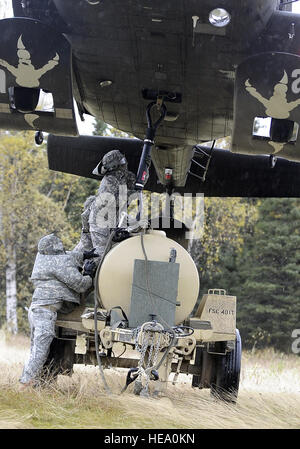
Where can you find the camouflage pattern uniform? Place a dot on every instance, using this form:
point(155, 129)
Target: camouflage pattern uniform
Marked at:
point(105, 210)
point(57, 282)
point(85, 243)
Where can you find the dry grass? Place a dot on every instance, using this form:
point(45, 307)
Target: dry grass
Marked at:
point(269, 398)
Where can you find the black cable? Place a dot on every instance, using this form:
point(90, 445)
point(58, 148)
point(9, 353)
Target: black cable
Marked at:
point(185, 327)
point(122, 352)
point(107, 246)
point(96, 302)
point(97, 350)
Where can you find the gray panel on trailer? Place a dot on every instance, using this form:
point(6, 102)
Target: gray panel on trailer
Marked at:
point(163, 286)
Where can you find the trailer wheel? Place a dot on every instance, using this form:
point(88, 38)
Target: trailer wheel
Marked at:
point(227, 377)
point(60, 359)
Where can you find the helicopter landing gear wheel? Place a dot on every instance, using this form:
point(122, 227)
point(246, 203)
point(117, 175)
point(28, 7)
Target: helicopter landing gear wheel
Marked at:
point(39, 138)
point(272, 161)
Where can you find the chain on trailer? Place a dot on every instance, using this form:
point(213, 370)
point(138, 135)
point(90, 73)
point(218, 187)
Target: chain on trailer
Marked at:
point(151, 337)
point(148, 337)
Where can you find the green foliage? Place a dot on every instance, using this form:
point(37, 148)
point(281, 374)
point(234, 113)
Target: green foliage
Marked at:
point(263, 272)
point(269, 273)
point(26, 213)
point(227, 221)
point(103, 129)
point(70, 192)
point(100, 128)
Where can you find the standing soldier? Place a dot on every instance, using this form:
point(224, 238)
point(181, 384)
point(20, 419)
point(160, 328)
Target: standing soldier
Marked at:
point(58, 283)
point(117, 185)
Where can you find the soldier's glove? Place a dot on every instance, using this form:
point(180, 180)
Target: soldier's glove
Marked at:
point(121, 234)
point(89, 268)
point(90, 254)
point(139, 225)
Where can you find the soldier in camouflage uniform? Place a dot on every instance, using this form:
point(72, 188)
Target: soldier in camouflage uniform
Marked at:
point(109, 203)
point(57, 282)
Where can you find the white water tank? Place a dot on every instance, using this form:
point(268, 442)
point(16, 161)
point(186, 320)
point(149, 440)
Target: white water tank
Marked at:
point(116, 273)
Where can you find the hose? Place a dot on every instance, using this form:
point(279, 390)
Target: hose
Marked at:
point(97, 301)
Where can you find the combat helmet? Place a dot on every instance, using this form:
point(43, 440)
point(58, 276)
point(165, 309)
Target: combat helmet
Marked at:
point(50, 244)
point(111, 161)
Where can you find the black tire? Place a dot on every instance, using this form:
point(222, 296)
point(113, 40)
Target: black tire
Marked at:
point(60, 360)
point(227, 378)
point(39, 138)
point(272, 161)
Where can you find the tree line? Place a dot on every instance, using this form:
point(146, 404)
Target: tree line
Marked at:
point(250, 247)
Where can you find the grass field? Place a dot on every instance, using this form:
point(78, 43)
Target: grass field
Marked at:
point(269, 398)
